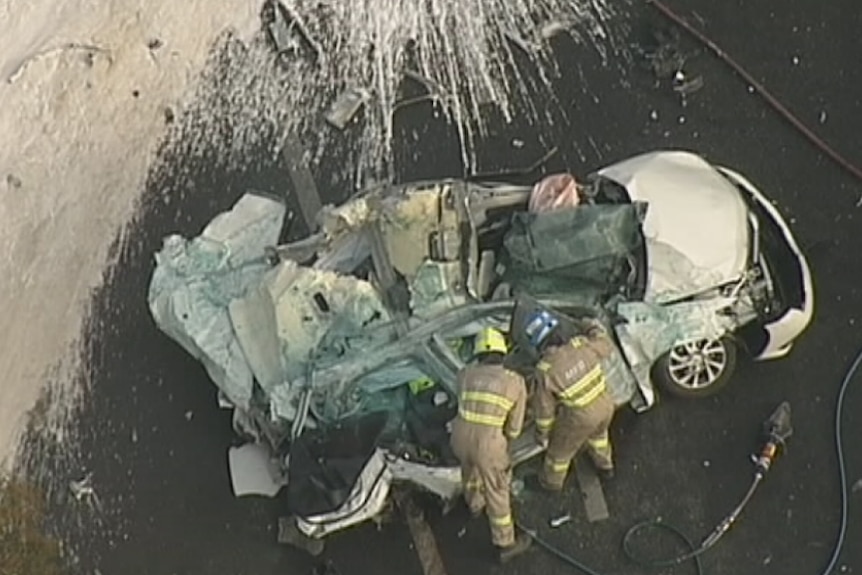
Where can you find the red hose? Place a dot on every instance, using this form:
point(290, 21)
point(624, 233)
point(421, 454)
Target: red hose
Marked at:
point(759, 88)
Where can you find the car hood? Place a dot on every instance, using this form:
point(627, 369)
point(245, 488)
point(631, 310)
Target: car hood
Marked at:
point(696, 226)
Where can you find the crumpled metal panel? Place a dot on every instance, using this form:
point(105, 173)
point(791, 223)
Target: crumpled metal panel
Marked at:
point(658, 328)
point(196, 280)
point(320, 315)
point(436, 287)
point(582, 250)
point(672, 274)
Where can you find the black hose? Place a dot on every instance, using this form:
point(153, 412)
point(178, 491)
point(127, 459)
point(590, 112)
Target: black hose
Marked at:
point(709, 541)
point(556, 552)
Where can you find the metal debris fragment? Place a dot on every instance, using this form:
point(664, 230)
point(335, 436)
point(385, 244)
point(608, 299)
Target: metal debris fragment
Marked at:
point(684, 85)
point(83, 488)
point(346, 106)
point(560, 521)
point(552, 29)
point(288, 32)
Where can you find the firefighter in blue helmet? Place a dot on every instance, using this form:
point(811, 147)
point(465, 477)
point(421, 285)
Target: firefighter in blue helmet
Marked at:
point(491, 405)
point(573, 408)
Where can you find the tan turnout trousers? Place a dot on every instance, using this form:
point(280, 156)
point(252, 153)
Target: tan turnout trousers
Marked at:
point(573, 405)
point(491, 406)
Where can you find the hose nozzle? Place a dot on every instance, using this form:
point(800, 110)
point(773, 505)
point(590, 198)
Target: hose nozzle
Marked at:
point(777, 428)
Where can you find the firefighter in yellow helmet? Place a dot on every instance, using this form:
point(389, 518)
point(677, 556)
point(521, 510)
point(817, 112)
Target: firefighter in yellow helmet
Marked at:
point(573, 408)
point(491, 405)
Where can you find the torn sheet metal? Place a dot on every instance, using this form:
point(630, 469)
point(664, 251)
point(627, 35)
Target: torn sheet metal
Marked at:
point(365, 501)
point(437, 287)
point(656, 329)
point(253, 472)
point(320, 314)
point(445, 482)
point(196, 280)
point(346, 106)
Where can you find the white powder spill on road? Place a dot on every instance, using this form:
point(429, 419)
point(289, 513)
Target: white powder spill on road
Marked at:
point(83, 92)
point(463, 53)
point(85, 86)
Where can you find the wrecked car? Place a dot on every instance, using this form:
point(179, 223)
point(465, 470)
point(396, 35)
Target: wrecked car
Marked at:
point(339, 352)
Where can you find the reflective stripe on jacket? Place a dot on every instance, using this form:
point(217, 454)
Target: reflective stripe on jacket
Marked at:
point(493, 396)
point(571, 374)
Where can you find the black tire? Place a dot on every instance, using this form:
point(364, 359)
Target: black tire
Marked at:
point(669, 374)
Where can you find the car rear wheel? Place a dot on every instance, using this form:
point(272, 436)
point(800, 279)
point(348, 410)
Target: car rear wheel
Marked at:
point(698, 368)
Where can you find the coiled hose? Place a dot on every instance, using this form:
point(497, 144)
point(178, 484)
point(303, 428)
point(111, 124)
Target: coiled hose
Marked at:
point(696, 550)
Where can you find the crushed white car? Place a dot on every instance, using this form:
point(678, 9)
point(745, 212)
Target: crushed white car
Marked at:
point(338, 353)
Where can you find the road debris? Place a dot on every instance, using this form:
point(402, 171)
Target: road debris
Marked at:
point(13, 181)
point(683, 85)
point(559, 521)
point(82, 490)
point(856, 486)
point(753, 85)
point(289, 33)
point(346, 106)
point(553, 28)
point(189, 415)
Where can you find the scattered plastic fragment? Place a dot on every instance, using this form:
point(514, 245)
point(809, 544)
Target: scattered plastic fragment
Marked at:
point(856, 486)
point(552, 29)
point(823, 116)
point(189, 415)
point(83, 488)
point(684, 85)
point(517, 143)
point(559, 521)
point(346, 107)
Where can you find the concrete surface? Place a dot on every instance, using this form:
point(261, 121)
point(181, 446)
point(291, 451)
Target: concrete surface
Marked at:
point(156, 442)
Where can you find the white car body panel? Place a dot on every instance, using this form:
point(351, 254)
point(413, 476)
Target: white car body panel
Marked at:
point(784, 330)
point(696, 226)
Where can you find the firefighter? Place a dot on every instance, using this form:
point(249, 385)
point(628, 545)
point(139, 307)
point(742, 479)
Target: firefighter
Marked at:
point(491, 405)
point(573, 408)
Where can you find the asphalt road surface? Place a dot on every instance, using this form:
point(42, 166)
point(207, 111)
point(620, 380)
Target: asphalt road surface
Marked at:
point(156, 442)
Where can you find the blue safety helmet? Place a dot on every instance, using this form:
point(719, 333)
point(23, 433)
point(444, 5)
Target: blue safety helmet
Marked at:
point(539, 326)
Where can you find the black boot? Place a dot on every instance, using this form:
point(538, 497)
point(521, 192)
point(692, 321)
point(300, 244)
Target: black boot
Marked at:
point(521, 544)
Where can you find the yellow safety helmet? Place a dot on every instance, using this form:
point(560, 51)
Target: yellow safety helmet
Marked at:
point(490, 340)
